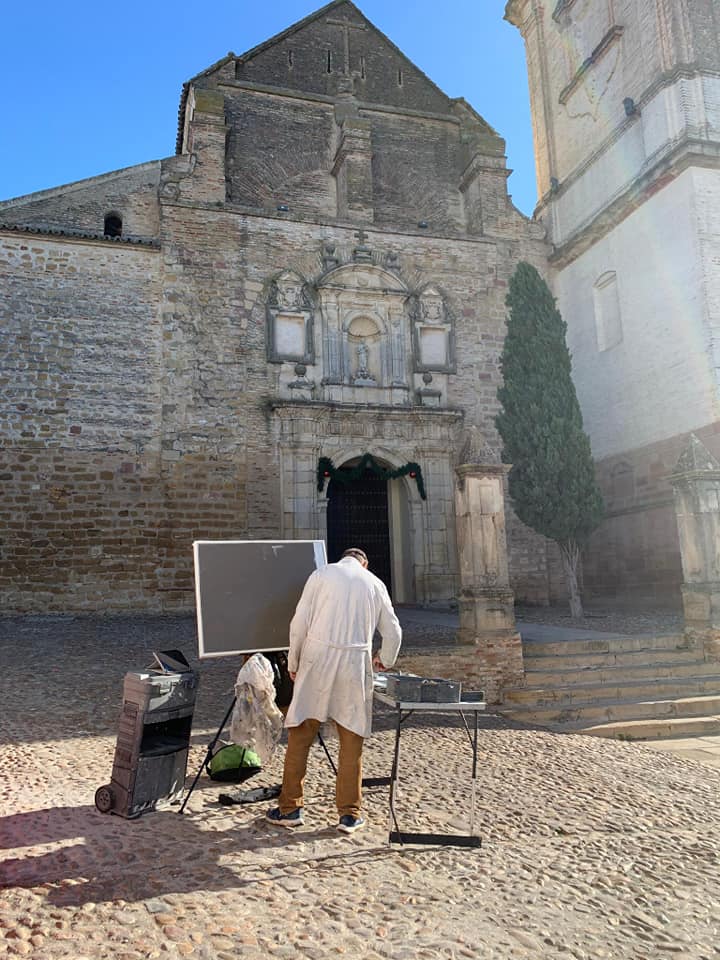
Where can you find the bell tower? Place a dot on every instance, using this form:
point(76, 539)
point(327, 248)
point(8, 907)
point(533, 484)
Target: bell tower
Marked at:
point(623, 92)
point(625, 99)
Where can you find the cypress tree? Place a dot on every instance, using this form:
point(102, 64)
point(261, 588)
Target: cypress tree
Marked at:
point(552, 480)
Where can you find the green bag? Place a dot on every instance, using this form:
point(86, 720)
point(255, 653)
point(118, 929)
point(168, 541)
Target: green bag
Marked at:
point(231, 763)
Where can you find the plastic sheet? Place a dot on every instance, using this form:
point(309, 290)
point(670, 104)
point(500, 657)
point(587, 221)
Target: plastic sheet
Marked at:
point(256, 722)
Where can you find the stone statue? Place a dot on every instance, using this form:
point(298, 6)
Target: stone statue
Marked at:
point(362, 355)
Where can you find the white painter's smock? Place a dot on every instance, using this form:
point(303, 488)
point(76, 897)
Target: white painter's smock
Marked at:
point(331, 638)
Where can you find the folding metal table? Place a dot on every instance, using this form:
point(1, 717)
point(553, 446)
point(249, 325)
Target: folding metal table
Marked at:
point(405, 709)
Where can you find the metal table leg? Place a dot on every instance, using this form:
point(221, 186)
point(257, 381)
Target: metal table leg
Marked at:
point(394, 777)
point(473, 785)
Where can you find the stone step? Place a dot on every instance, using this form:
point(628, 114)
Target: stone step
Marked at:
point(551, 648)
point(655, 729)
point(607, 673)
point(613, 711)
point(595, 691)
point(540, 660)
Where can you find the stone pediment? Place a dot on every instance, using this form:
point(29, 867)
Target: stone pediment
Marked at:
point(366, 277)
point(696, 458)
point(338, 50)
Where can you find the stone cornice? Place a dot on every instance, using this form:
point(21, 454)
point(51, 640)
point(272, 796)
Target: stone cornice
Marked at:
point(479, 165)
point(293, 408)
point(562, 7)
point(513, 12)
point(667, 168)
point(288, 93)
point(682, 72)
point(381, 231)
point(67, 233)
point(465, 470)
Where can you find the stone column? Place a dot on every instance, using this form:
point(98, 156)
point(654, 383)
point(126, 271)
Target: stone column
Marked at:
point(487, 617)
point(696, 483)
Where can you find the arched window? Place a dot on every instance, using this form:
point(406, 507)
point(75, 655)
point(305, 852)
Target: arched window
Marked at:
point(113, 225)
point(608, 322)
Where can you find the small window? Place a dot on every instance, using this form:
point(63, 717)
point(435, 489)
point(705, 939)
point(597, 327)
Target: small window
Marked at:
point(329, 61)
point(113, 225)
point(291, 59)
point(608, 322)
point(622, 481)
point(400, 78)
point(362, 68)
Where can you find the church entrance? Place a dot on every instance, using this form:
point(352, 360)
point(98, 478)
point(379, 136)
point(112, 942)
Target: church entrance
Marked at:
point(357, 516)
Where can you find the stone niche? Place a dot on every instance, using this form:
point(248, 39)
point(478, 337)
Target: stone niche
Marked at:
point(290, 320)
point(365, 336)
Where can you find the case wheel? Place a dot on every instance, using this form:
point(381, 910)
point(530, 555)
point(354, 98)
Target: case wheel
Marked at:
point(104, 799)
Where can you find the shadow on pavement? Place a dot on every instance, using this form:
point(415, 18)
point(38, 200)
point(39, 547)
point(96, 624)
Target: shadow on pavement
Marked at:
point(109, 858)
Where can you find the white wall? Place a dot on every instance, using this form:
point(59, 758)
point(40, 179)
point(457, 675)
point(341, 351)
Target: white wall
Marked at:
point(662, 378)
point(690, 107)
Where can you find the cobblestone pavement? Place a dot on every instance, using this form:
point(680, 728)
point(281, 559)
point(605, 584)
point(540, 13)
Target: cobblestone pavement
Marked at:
point(591, 848)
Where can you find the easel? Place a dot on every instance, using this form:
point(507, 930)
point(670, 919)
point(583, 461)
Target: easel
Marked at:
point(366, 782)
point(208, 754)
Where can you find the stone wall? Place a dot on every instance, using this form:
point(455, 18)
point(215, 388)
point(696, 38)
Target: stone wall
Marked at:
point(132, 193)
point(142, 406)
point(312, 57)
point(81, 506)
point(655, 379)
point(635, 551)
point(184, 387)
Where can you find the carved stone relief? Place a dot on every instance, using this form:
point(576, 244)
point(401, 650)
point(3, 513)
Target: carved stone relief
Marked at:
point(367, 338)
point(433, 332)
point(365, 334)
point(289, 320)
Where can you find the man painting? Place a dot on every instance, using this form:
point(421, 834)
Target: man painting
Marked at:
point(330, 659)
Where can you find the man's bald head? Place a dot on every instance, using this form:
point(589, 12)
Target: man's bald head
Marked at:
point(358, 555)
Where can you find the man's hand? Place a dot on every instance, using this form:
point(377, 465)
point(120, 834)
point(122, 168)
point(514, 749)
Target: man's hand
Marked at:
point(292, 675)
point(378, 664)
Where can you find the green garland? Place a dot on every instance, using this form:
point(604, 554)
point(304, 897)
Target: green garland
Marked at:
point(327, 471)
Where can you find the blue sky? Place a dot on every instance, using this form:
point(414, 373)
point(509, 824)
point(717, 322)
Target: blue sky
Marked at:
point(92, 87)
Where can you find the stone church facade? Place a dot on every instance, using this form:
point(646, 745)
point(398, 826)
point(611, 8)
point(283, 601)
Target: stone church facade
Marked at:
point(207, 346)
point(625, 97)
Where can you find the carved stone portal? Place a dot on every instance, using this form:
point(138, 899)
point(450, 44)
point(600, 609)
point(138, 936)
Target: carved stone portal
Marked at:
point(365, 335)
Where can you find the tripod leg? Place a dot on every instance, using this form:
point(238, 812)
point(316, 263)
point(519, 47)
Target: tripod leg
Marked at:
point(327, 753)
point(208, 754)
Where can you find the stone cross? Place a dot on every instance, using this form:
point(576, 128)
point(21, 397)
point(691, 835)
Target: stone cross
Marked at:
point(346, 26)
point(361, 236)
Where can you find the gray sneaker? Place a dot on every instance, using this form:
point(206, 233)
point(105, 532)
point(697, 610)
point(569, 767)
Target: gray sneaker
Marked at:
point(349, 824)
point(290, 820)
